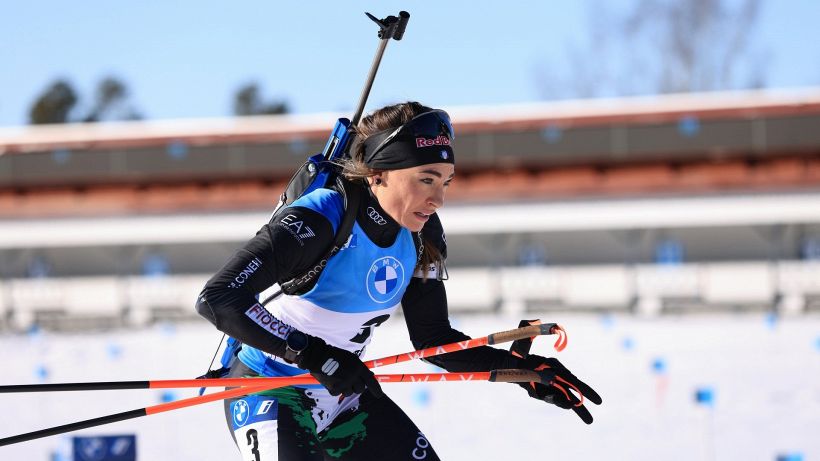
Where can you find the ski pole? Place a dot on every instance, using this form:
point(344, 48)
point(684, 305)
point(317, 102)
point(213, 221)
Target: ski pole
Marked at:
point(113, 418)
point(530, 331)
point(526, 332)
point(509, 376)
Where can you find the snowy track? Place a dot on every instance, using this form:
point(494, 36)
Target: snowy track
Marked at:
point(765, 376)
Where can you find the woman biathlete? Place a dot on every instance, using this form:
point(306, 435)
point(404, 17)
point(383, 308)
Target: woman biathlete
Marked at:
point(404, 162)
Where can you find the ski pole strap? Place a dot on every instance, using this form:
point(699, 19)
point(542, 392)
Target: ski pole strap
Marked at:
point(561, 342)
point(521, 349)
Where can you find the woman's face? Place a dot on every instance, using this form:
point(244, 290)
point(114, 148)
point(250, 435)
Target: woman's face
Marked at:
point(411, 195)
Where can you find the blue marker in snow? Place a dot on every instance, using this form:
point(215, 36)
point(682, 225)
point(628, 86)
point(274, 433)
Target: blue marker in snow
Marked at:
point(114, 351)
point(422, 397)
point(659, 366)
point(41, 372)
point(607, 321)
point(705, 396)
point(771, 320)
point(790, 457)
point(628, 343)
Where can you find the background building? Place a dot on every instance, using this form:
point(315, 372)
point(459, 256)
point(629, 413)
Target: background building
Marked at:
point(612, 217)
point(636, 204)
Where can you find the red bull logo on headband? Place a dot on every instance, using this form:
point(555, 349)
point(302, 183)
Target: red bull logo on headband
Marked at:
point(439, 140)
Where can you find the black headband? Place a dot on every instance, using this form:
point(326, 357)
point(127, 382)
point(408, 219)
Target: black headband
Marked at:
point(423, 140)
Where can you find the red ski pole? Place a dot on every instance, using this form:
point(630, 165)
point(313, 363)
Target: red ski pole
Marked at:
point(494, 338)
point(496, 376)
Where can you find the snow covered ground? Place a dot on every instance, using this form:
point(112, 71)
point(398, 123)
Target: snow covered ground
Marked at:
point(764, 375)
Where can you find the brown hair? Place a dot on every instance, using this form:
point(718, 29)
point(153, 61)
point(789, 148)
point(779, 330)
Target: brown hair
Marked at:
point(386, 118)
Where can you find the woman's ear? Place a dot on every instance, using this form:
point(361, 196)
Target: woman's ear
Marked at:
point(379, 179)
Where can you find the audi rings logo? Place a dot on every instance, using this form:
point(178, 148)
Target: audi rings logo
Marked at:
point(375, 216)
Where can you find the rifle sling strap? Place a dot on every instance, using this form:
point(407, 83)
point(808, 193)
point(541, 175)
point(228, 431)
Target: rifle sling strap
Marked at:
point(352, 194)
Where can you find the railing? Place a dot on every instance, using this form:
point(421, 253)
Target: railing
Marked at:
point(105, 301)
point(644, 289)
point(789, 287)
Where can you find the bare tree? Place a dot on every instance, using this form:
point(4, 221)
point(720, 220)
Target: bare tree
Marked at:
point(111, 102)
point(664, 46)
point(700, 43)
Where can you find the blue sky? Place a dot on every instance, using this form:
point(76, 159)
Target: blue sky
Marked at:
point(185, 59)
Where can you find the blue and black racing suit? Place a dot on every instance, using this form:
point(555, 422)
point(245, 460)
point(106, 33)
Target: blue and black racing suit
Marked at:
point(360, 288)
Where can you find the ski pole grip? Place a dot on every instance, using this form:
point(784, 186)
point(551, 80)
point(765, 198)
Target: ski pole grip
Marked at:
point(521, 333)
point(514, 376)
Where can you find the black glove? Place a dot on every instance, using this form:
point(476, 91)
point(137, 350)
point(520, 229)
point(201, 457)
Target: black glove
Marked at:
point(340, 371)
point(560, 390)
